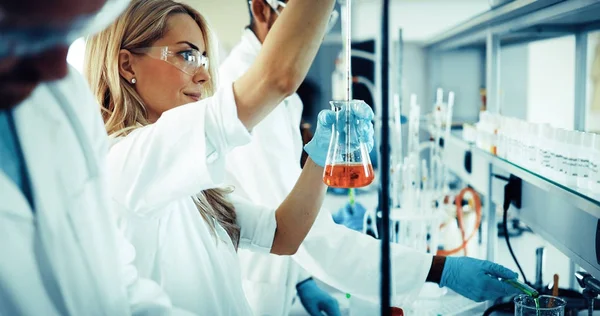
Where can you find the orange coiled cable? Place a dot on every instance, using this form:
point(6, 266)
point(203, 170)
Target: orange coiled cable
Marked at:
point(459, 217)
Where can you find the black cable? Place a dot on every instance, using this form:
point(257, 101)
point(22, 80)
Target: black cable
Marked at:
point(385, 164)
point(508, 194)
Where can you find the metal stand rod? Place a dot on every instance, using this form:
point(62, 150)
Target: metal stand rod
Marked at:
point(385, 164)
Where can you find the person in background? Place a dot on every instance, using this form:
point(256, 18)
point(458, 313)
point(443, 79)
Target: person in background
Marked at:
point(265, 171)
point(62, 253)
point(172, 129)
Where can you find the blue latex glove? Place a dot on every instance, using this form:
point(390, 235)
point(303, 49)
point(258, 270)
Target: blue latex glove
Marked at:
point(316, 301)
point(351, 216)
point(361, 117)
point(471, 278)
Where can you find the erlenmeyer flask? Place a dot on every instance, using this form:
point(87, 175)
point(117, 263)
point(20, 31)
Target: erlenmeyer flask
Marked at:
point(348, 164)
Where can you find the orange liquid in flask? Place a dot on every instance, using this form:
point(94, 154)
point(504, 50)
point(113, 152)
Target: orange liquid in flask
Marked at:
point(351, 175)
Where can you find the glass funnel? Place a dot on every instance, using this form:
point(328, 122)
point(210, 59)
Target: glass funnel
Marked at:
point(543, 305)
point(348, 164)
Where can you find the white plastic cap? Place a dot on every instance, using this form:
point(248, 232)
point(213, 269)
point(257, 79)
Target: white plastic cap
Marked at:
point(560, 135)
point(542, 128)
point(587, 141)
point(575, 137)
point(534, 129)
point(596, 141)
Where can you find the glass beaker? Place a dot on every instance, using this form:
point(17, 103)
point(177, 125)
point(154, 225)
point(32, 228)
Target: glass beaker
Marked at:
point(348, 164)
point(546, 306)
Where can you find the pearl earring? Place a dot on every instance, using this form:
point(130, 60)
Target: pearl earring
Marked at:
point(133, 81)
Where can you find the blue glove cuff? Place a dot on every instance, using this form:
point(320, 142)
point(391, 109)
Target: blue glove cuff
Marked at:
point(316, 155)
point(303, 283)
point(448, 266)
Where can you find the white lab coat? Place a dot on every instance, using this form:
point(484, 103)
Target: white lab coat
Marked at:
point(66, 256)
point(154, 171)
point(264, 172)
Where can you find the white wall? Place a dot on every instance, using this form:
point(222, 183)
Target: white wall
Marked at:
point(227, 18)
point(461, 72)
point(592, 123)
point(414, 77)
point(514, 78)
point(420, 19)
point(551, 91)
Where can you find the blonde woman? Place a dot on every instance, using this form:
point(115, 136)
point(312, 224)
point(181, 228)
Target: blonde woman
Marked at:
point(150, 72)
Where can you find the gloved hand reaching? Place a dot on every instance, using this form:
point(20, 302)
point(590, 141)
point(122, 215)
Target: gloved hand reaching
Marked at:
point(361, 116)
point(351, 216)
point(477, 279)
point(316, 301)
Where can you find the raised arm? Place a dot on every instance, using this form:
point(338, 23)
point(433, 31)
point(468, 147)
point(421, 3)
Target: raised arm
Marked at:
point(296, 215)
point(284, 60)
point(180, 155)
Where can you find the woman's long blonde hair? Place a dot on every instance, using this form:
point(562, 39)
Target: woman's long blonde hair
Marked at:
point(143, 23)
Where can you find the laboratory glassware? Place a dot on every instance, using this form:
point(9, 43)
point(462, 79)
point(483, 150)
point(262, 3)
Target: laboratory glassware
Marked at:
point(594, 167)
point(543, 305)
point(585, 156)
point(526, 289)
point(348, 164)
point(572, 155)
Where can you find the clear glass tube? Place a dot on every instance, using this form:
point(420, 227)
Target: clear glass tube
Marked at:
point(545, 149)
point(502, 139)
point(594, 164)
point(512, 140)
point(532, 146)
point(559, 164)
point(583, 163)
point(574, 139)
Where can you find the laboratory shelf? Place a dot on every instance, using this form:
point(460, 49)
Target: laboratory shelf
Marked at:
point(583, 199)
point(566, 217)
point(522, 21)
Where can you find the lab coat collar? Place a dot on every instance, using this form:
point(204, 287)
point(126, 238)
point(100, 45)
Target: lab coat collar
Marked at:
point(47, 141)
point(36, 127)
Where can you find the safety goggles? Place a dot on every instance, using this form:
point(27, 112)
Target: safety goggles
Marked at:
point(330, 24)
point(188, 60)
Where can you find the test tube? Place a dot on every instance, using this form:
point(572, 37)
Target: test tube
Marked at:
point(521, 142)
point(572, 157)
point(542, 149)
point(501, 146)
point(549, 155)
point(522, 287)
point(526, 289)
point(553, 135)
point(532, 146)
point(583, 163)
point(594, 162)
point(558, 163)
point(511, 140)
